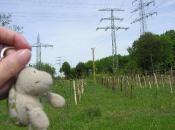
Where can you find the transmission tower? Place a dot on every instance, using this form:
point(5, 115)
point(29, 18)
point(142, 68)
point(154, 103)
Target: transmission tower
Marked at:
point(38, 46)
point(142, 14)
point(113, 29)
point(58, 60)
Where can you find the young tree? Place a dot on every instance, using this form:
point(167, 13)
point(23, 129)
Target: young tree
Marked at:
point(48, 68)
point(66, 69)
point(80, 69)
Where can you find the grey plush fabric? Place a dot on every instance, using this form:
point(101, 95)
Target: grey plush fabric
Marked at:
point(24, 98)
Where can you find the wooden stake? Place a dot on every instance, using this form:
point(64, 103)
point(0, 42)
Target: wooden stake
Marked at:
point(128, 84)
point(107, 82)
point(75, 94)
point(136, 80)
point(162, 81)
point(127, 80)
point(118, 81)
point(121, 84)
point(131, 92)
point(139, 81)
point(149, 82)
point(82, 86)
point(79, 89)
point(145, 81)
point(125, 88)
point(110, 83)
point(170, 85)
point(155, 77)
point(113, 83)
point(103, 79)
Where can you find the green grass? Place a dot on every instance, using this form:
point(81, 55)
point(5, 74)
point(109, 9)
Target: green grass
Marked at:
point(104, 109)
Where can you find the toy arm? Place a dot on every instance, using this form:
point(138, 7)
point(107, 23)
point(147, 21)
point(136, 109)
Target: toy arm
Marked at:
point(56, 100)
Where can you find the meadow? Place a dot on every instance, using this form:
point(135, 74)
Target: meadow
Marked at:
point(102, 108)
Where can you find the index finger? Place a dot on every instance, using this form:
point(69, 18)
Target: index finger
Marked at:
point(11, 38)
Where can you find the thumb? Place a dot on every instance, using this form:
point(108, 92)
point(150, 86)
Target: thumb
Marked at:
point(12, 64)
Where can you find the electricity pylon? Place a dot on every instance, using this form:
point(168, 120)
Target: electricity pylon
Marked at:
point(38, 46)
point(142, 14)
point(113, 28)
point(58, 60)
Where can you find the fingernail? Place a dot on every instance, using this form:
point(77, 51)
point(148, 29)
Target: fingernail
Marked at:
point(23, 56)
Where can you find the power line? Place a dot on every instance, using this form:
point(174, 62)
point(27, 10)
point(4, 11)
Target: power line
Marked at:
point(113, 29)
point(157, 6)
point(142, 14)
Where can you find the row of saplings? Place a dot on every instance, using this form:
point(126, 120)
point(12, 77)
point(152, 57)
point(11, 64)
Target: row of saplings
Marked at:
point(140, 81)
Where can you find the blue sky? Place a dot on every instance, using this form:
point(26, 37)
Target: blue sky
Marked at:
point(70, 25)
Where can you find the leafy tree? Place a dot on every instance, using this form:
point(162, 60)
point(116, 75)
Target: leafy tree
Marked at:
point(126, 65)
point(72, 73)
point(170, 35)
point(152, 52)
point(5, 21)
point(80, 70)
point(88, 68)
point(48, 68)
point(66, 69)
point(104, 65)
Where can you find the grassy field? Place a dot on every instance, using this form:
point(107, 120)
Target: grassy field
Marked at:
point(104, 109)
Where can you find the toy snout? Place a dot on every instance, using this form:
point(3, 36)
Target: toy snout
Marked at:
point(33, 82)
point(43, 83)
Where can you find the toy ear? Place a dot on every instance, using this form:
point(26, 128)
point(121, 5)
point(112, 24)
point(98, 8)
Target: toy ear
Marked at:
point(56, 100)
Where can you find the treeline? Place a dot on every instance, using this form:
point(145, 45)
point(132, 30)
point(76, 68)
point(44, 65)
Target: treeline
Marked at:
point(45, 67)
point(148, 54)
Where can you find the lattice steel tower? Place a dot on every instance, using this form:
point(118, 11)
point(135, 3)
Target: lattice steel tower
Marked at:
point(142, 14)
point(38, 46)
point(113, 28)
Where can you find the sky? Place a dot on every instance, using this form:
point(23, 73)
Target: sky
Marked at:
point(70, 26)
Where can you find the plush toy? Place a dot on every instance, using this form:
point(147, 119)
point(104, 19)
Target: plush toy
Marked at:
point(24, 98)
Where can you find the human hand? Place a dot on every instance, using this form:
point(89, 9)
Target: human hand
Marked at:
point(14, 60)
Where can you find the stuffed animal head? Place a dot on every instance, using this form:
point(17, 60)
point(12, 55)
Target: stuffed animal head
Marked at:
point(33, 82)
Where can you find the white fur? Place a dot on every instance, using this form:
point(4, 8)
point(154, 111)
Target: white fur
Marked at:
point(33, 82)
point(37, 117)
point(30, 85)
